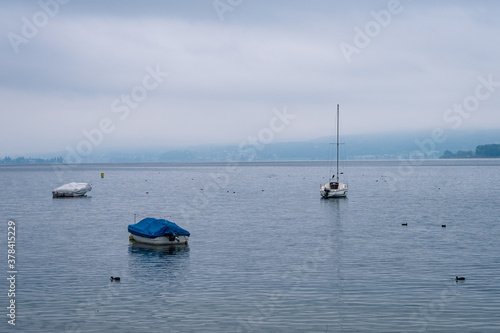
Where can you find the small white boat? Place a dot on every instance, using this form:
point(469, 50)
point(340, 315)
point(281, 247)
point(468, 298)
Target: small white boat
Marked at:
point(71, 190)
point(334, 188)
point(158, 232)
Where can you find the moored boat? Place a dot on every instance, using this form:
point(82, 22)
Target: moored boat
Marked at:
point(158, 232)
point(71, 190)
point(334, 188)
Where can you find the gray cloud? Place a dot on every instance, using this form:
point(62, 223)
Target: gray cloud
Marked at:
point(225, 77)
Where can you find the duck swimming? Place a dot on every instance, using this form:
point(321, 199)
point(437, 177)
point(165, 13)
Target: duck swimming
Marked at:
point(115, 278)
point(459, 278)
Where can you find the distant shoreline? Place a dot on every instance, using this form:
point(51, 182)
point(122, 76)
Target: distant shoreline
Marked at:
point(482, 151)
point(30, 160)
point(227, 166)
point(467, 158)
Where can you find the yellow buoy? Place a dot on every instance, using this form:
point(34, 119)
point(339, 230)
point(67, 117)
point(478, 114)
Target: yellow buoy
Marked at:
point(102, 174)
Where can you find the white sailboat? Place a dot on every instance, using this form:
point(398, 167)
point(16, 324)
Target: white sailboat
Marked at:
point(334, 188)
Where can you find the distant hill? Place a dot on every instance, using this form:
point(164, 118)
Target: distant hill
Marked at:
point(387, 146)
point(354, 147)
point(482, 151)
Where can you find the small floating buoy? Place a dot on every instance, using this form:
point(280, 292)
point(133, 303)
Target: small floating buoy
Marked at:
point(459, 278)
point(443, 225)
point(102, 174)
point(147, 192)
point(405, 224)
point(115, 278)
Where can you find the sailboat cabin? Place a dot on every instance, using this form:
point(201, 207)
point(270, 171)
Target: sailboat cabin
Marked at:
point(334, 185)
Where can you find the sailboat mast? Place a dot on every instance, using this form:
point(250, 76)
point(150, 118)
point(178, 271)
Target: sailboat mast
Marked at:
point(338, 143)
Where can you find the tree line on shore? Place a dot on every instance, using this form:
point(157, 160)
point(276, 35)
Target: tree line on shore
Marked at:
point(482, 151)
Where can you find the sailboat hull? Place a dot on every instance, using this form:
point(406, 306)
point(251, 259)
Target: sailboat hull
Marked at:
point(333, 190)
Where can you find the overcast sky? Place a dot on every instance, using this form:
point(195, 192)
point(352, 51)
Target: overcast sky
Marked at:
point(168, 73)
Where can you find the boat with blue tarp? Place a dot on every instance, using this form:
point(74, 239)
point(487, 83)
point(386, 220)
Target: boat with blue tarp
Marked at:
point(158, 232)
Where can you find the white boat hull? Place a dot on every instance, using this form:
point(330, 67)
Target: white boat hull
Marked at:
point(67, 195)
point(163, 240)
point(333, 190)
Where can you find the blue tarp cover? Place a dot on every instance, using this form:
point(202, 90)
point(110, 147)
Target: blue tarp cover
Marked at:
point(152, 228)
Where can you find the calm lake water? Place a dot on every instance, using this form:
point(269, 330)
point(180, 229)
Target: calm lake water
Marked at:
point(266, 253)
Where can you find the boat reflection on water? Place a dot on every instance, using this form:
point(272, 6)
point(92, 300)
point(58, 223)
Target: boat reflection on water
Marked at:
point(158, 263)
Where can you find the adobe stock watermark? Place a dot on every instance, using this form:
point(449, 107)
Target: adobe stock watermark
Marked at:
point(433, 310)
point(247, 151)
point(121, 107)
point(223, 6)
point(483, 91)
point(32, 26)
point(372, 29)
point(263, 311)
point(454, 116)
